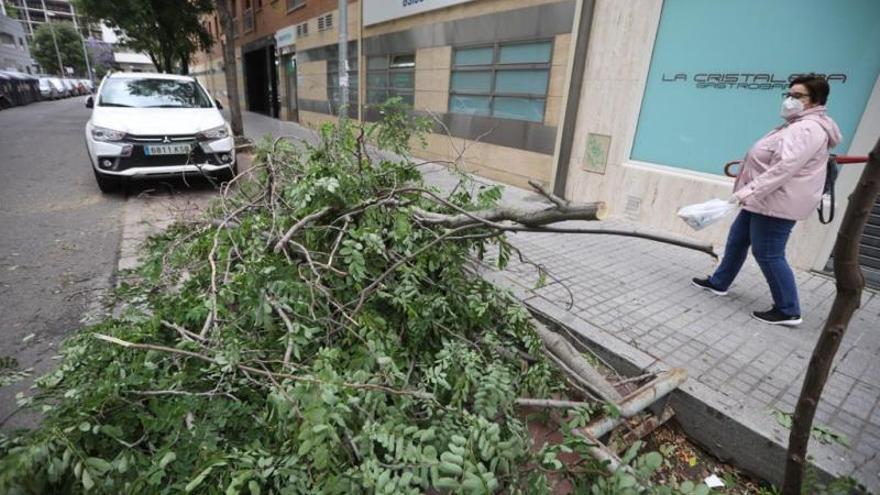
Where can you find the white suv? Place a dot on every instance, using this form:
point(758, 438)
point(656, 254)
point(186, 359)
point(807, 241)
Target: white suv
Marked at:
point(156, 125)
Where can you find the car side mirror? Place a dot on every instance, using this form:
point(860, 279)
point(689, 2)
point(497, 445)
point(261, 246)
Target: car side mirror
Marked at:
point(219, 105)
point(90, 102)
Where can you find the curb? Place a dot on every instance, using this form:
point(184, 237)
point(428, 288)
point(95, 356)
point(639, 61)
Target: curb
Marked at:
point(747, 438)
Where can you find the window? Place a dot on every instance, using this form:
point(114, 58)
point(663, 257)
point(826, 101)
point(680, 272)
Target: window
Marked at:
point(295, 4)
point(506, 81)
point(248, 18)
point(152, 93)
point(391, 75)
point(7, 39)
point(325, 22)
point(302, 29)
point(333, 81)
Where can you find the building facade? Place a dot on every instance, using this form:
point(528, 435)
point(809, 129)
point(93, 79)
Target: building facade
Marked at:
point(638, 103)
point(15, 56)
point(33, 13)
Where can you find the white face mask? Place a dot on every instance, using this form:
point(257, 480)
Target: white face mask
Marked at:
point(791, 107)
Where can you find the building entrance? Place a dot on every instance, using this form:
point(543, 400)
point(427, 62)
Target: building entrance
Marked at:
point(261, 80)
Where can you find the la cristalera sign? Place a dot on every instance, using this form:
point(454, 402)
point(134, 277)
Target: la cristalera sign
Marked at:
point(376, 11)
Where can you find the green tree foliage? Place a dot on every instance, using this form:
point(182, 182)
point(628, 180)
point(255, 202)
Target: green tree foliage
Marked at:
point(69, 46)
point(361, 356)
point(169, 31)
point(11, 9)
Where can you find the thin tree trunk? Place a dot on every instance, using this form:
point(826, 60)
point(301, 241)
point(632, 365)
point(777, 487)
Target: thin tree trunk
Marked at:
point(850, 283)
point(228, 26)
point(582, 371)
point(155, 61)
point(167, 62)
point(184, 63)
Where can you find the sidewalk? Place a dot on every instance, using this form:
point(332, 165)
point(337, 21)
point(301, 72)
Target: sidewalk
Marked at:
point(633, 301)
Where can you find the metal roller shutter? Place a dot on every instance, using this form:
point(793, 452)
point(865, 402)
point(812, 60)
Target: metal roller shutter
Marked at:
point(869, 248)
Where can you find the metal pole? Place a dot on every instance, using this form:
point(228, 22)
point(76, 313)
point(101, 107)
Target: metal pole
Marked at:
point(636, 402)
point(85, 51)
point(47, 15)
point(343, 59)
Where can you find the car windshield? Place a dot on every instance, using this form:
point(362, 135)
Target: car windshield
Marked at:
point(153, 93)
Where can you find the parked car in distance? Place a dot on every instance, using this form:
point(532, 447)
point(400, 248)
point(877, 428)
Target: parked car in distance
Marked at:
point(60, 89)
point(147, 125)
point(46, 90)
point(68, 88)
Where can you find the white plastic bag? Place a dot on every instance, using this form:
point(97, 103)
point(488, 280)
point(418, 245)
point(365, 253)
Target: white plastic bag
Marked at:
point(701, 215)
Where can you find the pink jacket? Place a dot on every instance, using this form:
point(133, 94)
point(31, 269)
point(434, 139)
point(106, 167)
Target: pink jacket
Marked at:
point(783, 174)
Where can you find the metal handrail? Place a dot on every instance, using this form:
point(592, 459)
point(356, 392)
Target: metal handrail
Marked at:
point(841, 160)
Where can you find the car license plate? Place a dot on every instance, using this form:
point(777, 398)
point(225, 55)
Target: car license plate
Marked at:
point(167, 149)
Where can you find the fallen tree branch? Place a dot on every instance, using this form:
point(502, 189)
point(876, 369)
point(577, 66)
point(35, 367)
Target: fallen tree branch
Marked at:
point(290, 331)
point(305, 379)
point(560, 202)
point(298, 225)
point(581, 370)
point(564, 404)
point(531, 218)
point(186, 334)
point(478, 220)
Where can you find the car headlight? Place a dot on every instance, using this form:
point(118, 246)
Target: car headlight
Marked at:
point(103, 134)
point(215, 133)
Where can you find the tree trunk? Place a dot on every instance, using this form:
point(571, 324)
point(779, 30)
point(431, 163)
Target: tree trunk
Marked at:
point(850, 283)
point(184, 63)
point(155, 59)
point(228, 27)
point(167, 62)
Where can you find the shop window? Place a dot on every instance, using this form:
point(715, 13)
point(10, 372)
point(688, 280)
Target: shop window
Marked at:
point(708, 96)
point(389, 76)
point(506, 80)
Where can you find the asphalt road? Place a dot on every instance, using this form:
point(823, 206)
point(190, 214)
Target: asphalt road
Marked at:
point(59, 236)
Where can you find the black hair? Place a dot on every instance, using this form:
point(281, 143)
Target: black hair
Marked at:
point(816, 85)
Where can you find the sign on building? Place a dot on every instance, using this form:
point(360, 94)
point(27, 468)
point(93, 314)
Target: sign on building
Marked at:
point(719, 69)
point(376, 11)
point(285, 37)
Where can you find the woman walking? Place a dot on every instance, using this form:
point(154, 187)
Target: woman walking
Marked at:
point(780, 182)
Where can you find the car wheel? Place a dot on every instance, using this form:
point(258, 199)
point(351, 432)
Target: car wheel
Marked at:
point(109, 184)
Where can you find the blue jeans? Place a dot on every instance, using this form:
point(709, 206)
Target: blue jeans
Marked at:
point(767, 236)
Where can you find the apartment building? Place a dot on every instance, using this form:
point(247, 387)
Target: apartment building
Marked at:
point(266, 36)
point(15, 55)
point(33, 13)
point(639, 103)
